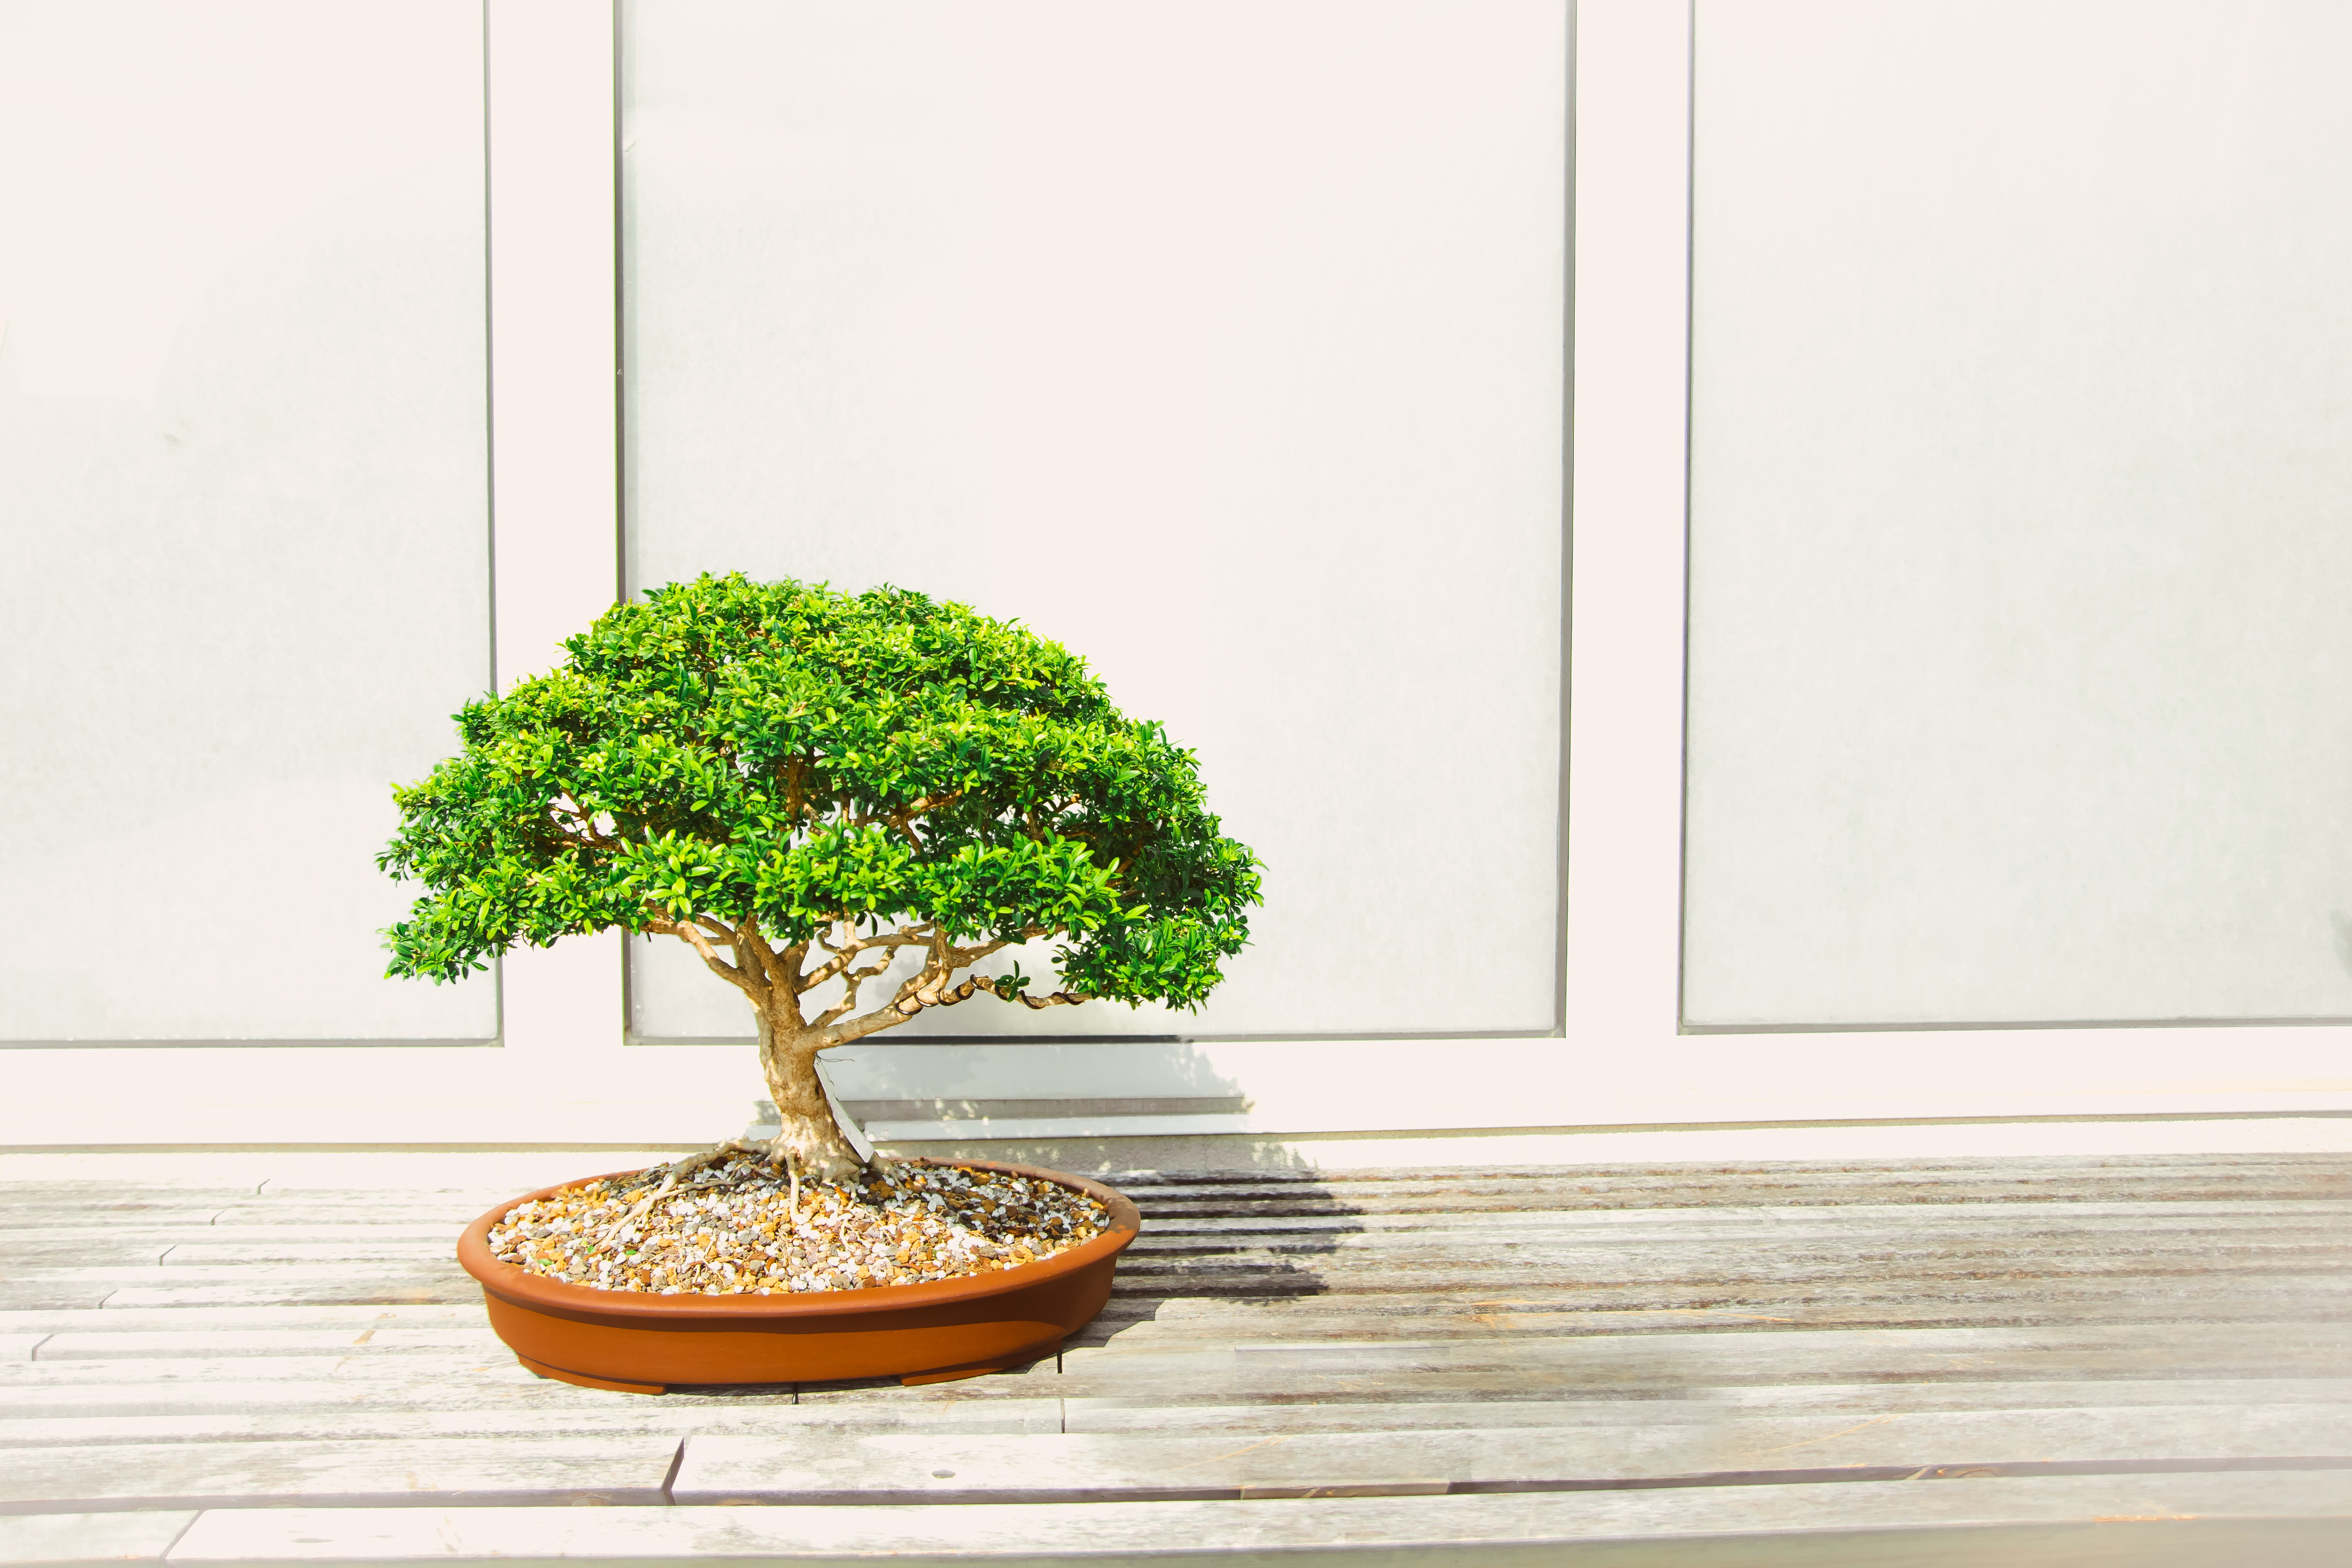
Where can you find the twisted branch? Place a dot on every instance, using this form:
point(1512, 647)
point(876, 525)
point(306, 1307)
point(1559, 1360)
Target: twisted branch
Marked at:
point(687, 933)
point(852, 981)
point(846, 953)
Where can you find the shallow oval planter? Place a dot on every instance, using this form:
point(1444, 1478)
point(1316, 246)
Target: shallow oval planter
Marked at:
point(644, 1343)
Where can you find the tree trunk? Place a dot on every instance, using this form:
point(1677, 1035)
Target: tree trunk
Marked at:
point(788, 1059)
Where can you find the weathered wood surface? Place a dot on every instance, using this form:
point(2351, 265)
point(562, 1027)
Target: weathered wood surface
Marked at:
point(1742, 1448)
point(2276, 1521)
point(1636, 1365)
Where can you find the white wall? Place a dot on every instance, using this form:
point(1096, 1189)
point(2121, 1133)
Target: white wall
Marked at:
point(2021, 514)
point(562, 1073)
point(1226, 347)
point(243, 481)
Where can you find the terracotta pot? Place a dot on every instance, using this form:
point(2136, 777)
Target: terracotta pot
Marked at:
point(641, 1342)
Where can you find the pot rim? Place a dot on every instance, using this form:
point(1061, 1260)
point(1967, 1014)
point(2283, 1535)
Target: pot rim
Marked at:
point(526, 1289)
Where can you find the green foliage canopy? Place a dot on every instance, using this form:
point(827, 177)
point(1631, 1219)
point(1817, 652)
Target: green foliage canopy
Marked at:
point(728, 749)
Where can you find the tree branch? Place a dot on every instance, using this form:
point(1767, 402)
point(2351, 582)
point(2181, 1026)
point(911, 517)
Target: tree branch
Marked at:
point(686, 933)
point(754, 959)
point(851, 982)
point(794, 801)
point(965, 957)
point(572, 814)
point(902, 817)
point(897, 1011)
point(846, 954)
point(926, 988)
point(1035, 1004)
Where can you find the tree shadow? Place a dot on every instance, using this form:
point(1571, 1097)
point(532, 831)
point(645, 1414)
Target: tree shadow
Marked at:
point(1250, 1232)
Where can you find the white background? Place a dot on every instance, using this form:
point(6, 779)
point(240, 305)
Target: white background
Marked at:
point(564, 1075)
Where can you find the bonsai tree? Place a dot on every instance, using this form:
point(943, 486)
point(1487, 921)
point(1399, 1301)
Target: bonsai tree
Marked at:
point(805, 786)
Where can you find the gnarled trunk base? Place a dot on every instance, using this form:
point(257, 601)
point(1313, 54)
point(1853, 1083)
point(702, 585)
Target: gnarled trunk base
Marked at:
point(809, 1135)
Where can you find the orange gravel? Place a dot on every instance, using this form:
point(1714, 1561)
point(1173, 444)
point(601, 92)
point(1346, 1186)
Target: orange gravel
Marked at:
point(728, 1229)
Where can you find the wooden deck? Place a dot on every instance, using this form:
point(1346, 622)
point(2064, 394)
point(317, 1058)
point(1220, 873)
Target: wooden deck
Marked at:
point(2017, 1361)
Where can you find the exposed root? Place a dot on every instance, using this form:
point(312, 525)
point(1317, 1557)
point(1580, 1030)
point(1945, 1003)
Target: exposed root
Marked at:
point(776, 1151)
point(679, 1170)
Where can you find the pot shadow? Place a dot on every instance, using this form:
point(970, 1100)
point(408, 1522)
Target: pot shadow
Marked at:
point(1249, 1233)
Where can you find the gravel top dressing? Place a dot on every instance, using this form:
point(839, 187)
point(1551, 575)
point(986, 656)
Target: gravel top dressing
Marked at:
point(729, 1230)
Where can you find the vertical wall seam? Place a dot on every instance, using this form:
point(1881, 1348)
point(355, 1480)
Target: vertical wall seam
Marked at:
point(1690, 293)
point(1567, 530)
point(490, 464)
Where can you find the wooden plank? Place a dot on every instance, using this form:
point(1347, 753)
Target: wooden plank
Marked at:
point(1702, 1281)
point(497, 1389)
point(1537, 1367)
point(1776, 1354)
point(172, 1399)
point(89, 1538)
point(380, 1208)
point(1740, 1216)
point(572, 1412)
point(121, 1196)
point(359, 1316)
point(502, 1396)
point(323, 1286)
point(1357, 1263)
point(1601, 1310)
point(2315, 1170)
point(1654, 1365)
point(271, 1251)
point(1769, 1252)
point(490, 1373)
point(63, 1249)
point(577, 1412)
point(1349, 1268)
point(1921, 1162)
point(620, 1468)
point(1669, 1281)
point(2217, 1181)
point(234, 1244)
point(1924, 1252)
point(1570, 1301)
point(1729, 1219)
point(1791, 1184)
point(1734, 1446)
point(32, 1381)
point(1138, 1317)
point(1849, 1401)
point(2293, 1521)
point(1894, 1166)
point(1634, 1227)
point(215, 1344)
point(430, 1266)
point(50, 1295)
point(1905, 1302)
point(1642, 1312)
point(1437, 1211)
